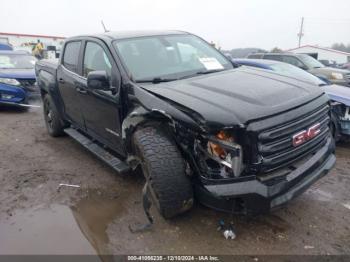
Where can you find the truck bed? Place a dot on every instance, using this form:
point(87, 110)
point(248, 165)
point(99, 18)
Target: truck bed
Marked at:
point(49, 65)
point(46, 73)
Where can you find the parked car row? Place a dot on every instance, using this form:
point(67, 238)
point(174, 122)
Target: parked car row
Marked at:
point(346, 66)
point(329, 74)
point(331, 63)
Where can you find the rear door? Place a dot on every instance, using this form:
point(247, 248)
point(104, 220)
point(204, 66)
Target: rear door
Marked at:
point(101, 109)
point(68, 77)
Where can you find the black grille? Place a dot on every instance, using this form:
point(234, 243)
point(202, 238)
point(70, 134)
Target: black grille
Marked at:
point(347, 76)
point(28, 84)
point(275, 145)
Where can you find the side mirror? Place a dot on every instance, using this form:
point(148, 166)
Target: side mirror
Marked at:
point(98, 80)
point(235, 65)
point(228, 56)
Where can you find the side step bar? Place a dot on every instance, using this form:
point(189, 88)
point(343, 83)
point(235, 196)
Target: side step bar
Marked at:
point(114, 162)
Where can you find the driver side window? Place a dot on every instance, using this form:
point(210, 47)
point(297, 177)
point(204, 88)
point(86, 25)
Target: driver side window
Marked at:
point(95, 59)
point(293, 61)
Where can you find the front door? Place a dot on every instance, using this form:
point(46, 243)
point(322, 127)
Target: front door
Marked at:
point(101, 109)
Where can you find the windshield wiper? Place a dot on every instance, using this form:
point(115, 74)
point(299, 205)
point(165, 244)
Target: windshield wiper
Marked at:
point(209, 71)
point(156, 80)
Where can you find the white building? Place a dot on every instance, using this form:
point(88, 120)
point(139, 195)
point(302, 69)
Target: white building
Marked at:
point(322, 53)
point(26, 41)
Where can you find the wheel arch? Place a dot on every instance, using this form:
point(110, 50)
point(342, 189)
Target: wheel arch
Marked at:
point(141, 117)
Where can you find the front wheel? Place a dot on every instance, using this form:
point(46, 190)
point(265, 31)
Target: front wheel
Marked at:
point(164, 168)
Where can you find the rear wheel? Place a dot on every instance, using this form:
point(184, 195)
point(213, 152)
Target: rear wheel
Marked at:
point(164, 169)
point(54, 123)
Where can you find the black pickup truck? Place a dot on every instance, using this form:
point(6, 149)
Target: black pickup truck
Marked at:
point(236, 139)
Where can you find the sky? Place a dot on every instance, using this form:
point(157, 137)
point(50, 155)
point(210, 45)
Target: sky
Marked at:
point(231, 24)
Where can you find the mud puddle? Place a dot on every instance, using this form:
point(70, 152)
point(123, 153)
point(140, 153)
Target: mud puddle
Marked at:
point(61, 229)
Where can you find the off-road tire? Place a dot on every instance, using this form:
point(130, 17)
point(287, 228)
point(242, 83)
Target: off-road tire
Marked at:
point(334, 126)
point(53, 122)
point(164, 168)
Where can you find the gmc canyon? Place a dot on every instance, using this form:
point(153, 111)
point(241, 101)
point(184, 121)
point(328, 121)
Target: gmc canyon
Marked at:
point(236, 139)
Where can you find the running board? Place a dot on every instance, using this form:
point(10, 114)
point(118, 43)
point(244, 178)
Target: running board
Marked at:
point(114, 162)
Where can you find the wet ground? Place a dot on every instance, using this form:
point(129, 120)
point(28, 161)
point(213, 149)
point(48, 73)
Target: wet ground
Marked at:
point(38, 218)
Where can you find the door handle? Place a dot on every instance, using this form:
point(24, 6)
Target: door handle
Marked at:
point(61, 81)
point(80, 90)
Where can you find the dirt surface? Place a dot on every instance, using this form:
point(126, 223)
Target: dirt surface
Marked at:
point(37, 218)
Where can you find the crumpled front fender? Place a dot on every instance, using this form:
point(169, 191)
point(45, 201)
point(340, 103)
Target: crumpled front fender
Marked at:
point(149, 107)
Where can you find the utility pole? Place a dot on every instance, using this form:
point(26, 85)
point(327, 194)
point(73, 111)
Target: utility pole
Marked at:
point(104, 26)
point(301, 32)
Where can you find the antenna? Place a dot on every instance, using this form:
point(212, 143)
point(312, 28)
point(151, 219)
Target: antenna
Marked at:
point(104, 28)
point(301, 32)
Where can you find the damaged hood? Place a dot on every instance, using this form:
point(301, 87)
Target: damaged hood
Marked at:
point(338, 93)
point(237, 96)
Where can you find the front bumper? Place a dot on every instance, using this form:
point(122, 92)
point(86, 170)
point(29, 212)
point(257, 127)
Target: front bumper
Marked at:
point(19, 96)
point(249, 195)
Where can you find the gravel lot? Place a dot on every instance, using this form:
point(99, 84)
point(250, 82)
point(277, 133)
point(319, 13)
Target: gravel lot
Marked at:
point(37, 218)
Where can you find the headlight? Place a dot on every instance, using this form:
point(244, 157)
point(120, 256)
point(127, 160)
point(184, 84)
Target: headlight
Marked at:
point(10, 81)
point(337, 76)
point(6, 96)
point(223, 149)
point(217, 149)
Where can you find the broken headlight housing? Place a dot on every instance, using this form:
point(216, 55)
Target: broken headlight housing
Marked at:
point(221, 156)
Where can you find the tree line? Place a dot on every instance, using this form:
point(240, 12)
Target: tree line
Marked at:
point(243, 52)
point(341, 47)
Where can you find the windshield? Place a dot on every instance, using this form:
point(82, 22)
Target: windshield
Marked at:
point(310, 62)
point(169, 57)
point(10, 61)
point(297, 73)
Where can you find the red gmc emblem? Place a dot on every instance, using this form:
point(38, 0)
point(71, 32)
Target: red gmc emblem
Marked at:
point(305, 135)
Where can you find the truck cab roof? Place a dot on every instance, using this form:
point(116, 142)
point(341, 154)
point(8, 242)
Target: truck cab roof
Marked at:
point(116, 35)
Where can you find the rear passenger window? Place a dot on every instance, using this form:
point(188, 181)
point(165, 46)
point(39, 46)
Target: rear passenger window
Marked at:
point(71, 55)
point(273, 57)
point(254, 56)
